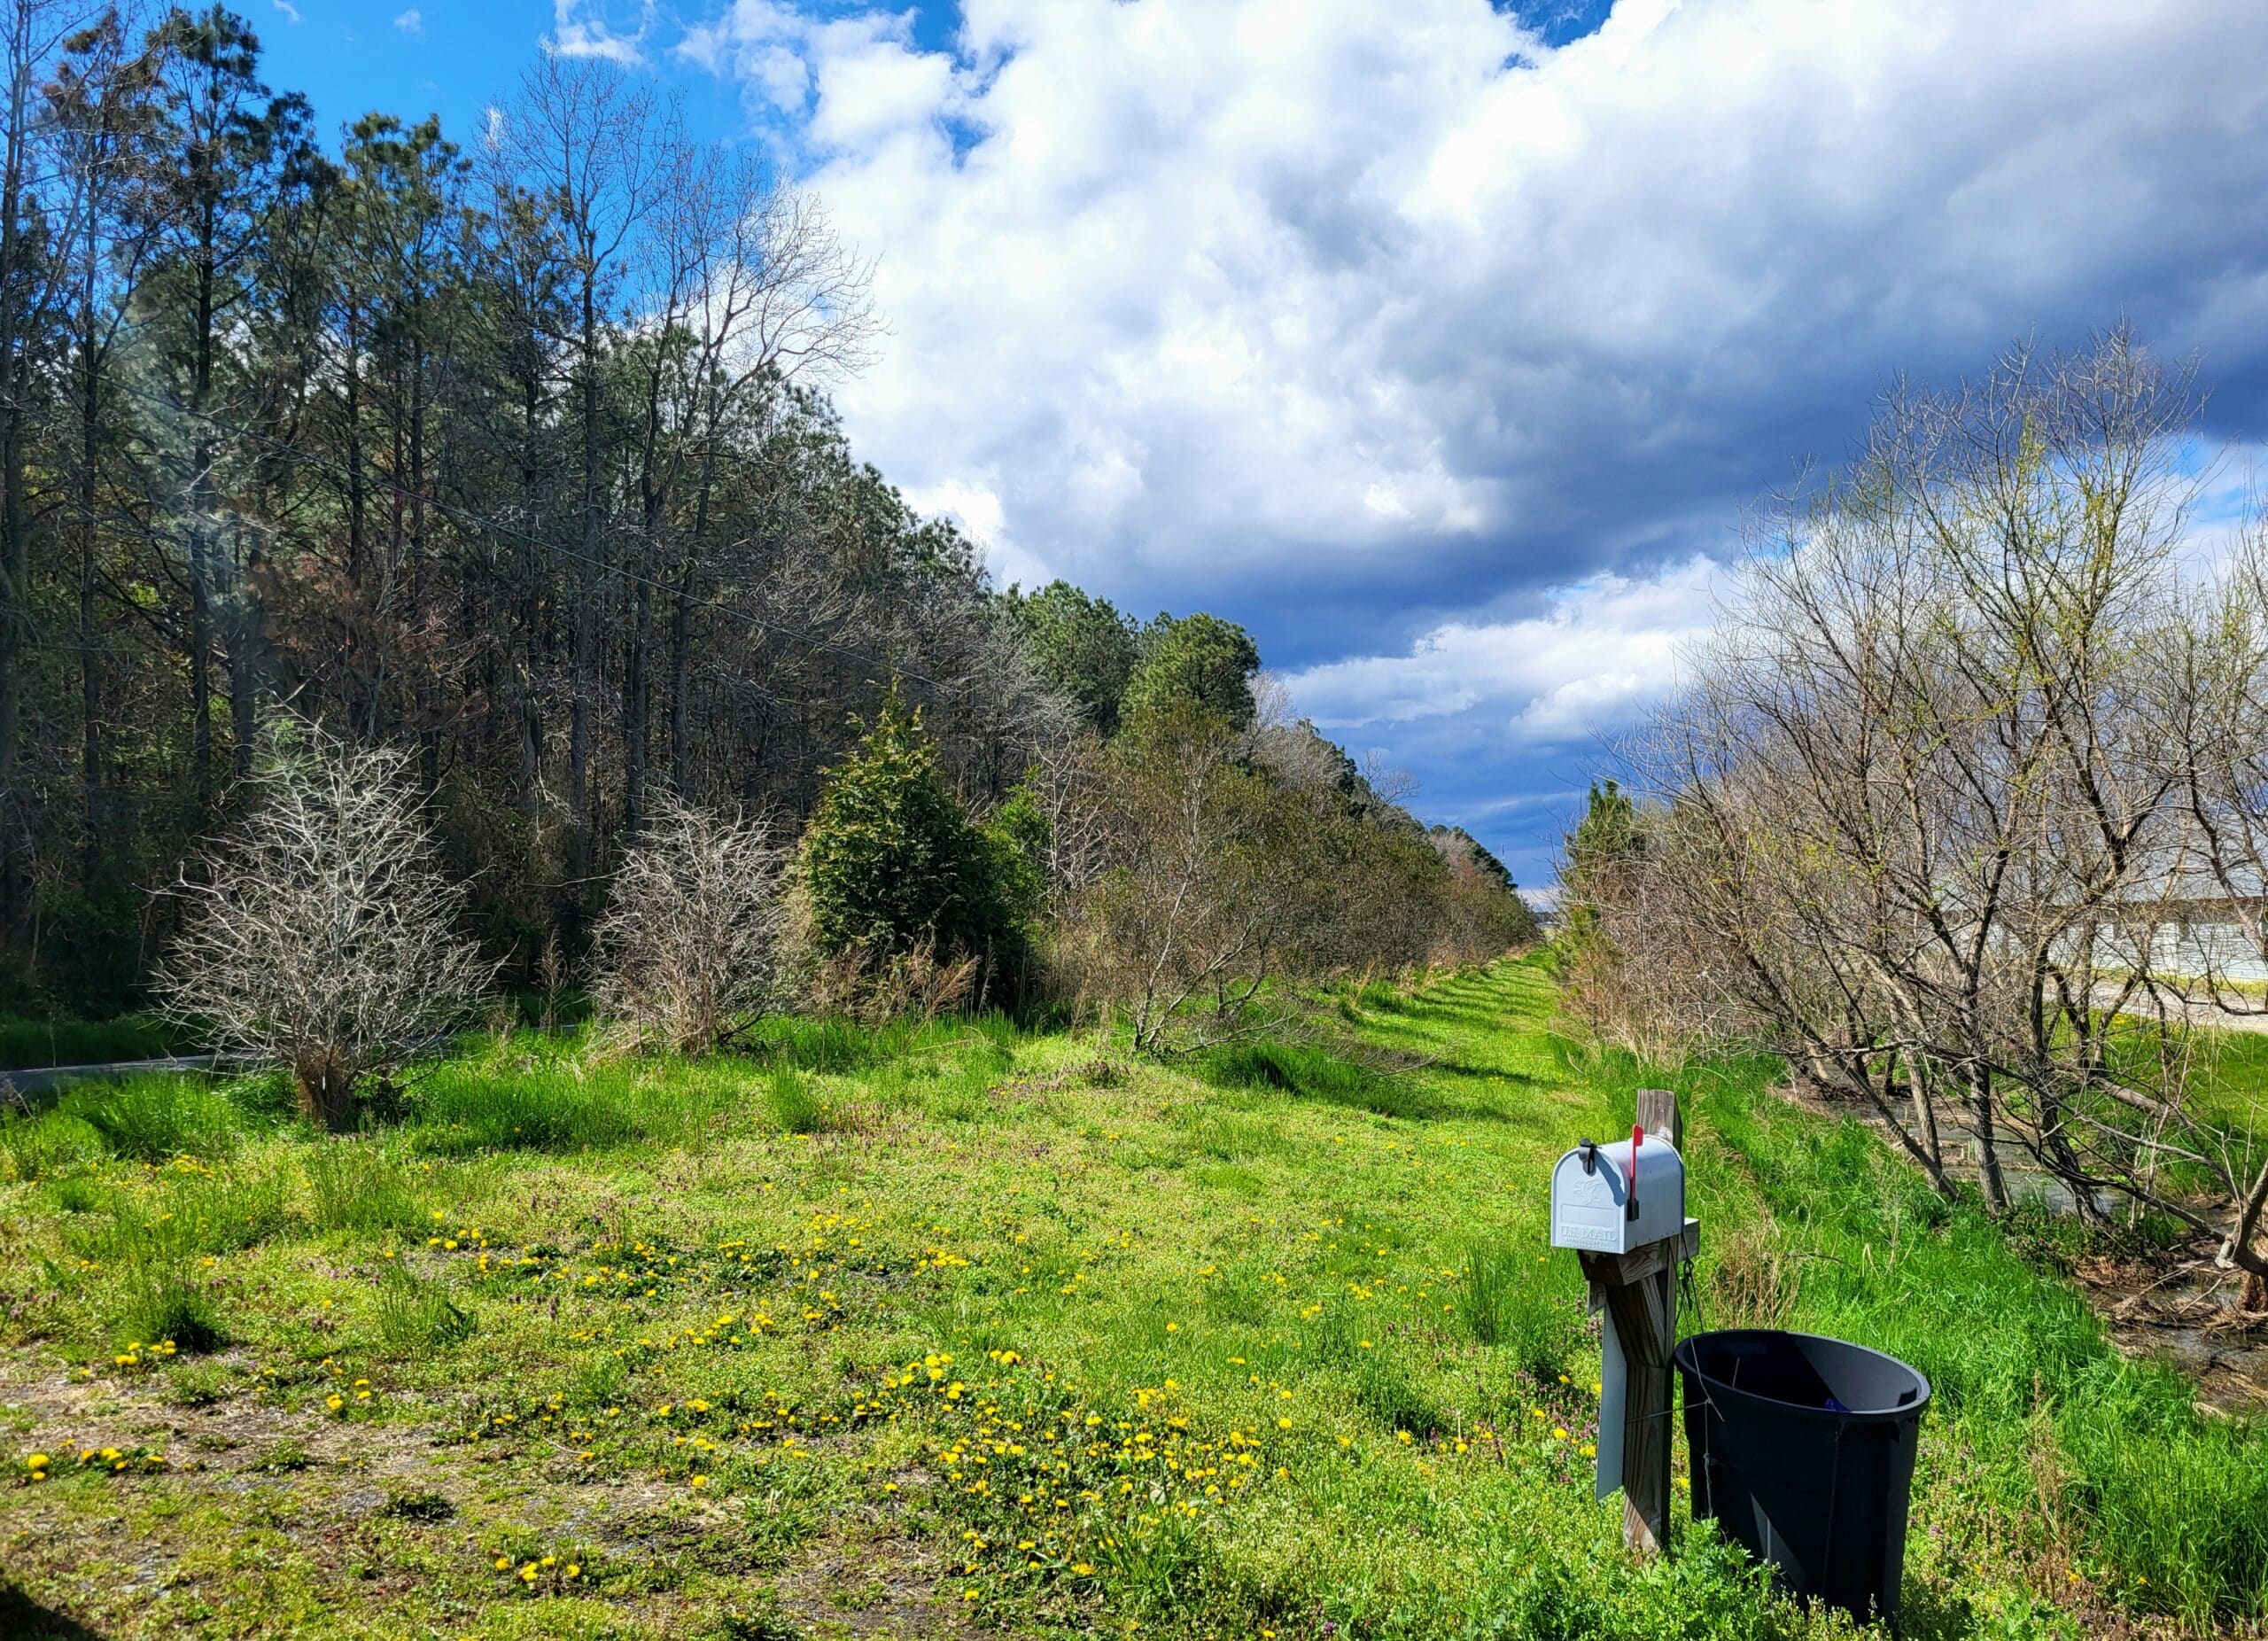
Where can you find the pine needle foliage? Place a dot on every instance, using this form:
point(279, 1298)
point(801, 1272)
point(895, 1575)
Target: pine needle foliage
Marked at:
point(891, 863)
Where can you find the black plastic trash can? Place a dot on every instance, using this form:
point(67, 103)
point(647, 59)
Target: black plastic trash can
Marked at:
point(1803, 1450)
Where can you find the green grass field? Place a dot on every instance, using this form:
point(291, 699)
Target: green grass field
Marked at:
point(27, 1043)
point(950, 1330)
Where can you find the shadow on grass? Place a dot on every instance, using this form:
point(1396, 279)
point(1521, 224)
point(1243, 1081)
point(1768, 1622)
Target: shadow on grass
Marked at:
point(23, 1619)
point(1927, 1614)
point(1475, 1068)
point(1308, 1071)
point(1314, 1073)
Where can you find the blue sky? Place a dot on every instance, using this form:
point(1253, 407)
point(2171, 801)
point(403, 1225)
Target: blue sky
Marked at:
point(1440, 343)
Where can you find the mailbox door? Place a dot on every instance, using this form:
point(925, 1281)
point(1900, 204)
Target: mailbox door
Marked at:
point(1586, 1209)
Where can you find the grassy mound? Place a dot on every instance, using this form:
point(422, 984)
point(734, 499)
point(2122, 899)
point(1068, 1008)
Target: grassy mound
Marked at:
point(946, 1328)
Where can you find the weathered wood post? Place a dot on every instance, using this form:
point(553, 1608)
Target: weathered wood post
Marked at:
point(1622, 1208)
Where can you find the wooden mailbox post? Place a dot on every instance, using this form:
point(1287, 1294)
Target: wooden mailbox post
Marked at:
point(1608, 1205)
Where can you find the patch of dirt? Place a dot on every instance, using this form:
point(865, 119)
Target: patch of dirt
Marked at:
point(846, 1583)
point(2185, 1314)
point(864, 1578)
point(237, 1435)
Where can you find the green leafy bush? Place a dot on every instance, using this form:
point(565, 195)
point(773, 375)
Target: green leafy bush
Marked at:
point(891, 864)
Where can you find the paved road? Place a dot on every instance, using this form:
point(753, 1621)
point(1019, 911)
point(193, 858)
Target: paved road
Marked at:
point(2203, 1011)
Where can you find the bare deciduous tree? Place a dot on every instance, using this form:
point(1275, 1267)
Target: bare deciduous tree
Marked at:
point(321, 937)
point(1190, 924)
point(688, 950)
point(1969, 751)
point(596, 149)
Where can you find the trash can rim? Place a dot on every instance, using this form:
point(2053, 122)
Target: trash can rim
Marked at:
point(1689, 1364)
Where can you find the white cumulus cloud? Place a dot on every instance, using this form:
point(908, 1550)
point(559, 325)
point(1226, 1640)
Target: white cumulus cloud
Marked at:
point(1598, 653)
point(580, 29)
point(1371, 325)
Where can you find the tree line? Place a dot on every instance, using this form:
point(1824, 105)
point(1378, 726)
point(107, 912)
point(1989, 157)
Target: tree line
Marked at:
point(515, 456)
point(1964, 807)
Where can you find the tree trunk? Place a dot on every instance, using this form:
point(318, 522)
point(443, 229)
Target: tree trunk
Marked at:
point(1925, 1110)
point(1989, 1179)
point(200, 672)
point(15, 521)
point(637, 697)
point(248, 669)
point(429, 727)
point(326, 1088)
point(92, 816)
point(681, 681)
point(681, 627)
point(583, 659)
point(530, 611)
point(202, 453)
point(357, 498)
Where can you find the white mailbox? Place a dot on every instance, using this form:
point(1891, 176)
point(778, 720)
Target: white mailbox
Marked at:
point(1622, 1208)
point(1592, 1196)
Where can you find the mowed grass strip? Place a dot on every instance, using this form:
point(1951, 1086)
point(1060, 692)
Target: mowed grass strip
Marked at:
point(950, 1329)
